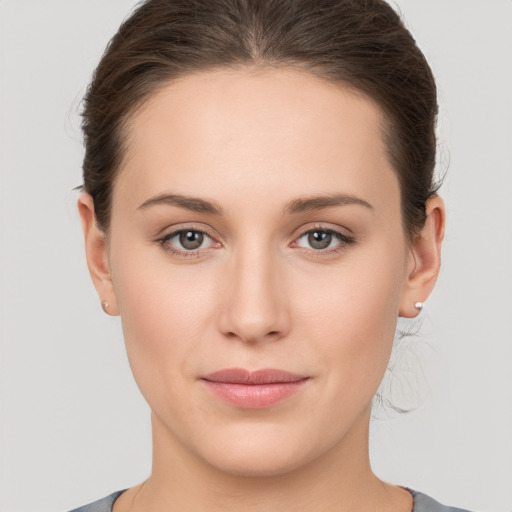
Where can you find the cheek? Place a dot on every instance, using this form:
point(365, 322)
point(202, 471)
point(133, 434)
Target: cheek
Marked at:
point(166, 312)
point(350, 316)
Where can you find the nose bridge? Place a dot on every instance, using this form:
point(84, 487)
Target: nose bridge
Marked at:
point(255, 307)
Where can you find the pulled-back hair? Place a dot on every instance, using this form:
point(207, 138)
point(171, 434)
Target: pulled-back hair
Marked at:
point(361, 44)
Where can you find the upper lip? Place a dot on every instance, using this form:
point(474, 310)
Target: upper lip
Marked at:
point(263, 376)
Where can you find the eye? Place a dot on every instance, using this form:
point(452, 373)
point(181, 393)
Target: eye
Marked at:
point(323, 240)
point(187, 242)
point(319, 239)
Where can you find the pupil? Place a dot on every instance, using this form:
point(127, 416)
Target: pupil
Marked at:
point(191, 239)
point(319, 239)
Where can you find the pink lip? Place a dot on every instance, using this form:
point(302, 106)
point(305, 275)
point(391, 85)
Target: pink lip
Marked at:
point(253, 390)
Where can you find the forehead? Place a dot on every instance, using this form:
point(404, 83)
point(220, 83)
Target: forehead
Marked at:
point(255, 130)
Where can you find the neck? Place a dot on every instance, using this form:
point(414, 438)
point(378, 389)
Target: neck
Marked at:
point(340, 480)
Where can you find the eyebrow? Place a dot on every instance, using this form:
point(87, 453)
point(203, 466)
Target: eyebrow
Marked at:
point(194, 204)
point(298, 205)
point(324, 201)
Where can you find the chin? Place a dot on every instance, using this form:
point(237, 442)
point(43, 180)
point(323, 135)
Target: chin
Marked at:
point(257, 453)
point(257, 464)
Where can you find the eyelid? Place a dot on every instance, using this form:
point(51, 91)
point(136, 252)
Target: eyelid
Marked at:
point(183, 226)
point(342, 231)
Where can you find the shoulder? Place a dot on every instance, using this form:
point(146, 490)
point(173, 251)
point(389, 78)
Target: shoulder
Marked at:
point(424, 503)
point(103, 505)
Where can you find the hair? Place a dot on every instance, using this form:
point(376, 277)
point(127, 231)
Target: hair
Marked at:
point(360, 44)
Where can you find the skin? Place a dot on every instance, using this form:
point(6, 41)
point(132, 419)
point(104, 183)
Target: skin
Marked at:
point(257, 294)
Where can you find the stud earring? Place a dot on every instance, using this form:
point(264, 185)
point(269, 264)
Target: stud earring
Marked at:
point(418, 306)
point(105, 305)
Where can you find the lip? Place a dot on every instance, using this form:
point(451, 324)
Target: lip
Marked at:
point(253, 390)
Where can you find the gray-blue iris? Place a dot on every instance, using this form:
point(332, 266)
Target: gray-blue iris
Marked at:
point(191, 239)
point(319, 239)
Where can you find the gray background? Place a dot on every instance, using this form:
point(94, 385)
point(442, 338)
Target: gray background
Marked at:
point(73, 425)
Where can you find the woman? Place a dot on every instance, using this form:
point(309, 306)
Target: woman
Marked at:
point(259, 207)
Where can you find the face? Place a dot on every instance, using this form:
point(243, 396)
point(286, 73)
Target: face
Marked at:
point(256, 226)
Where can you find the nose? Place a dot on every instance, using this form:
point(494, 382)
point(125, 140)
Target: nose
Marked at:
point(254, 308)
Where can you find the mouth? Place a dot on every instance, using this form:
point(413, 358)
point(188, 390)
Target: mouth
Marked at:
point(253, 390)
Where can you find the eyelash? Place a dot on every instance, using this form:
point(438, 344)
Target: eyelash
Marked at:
point(343, 239)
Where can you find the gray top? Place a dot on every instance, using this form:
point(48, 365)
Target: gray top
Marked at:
point(422, 503)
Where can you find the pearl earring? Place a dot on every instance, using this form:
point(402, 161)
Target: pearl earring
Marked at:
point(418, 306)
point(105, 305)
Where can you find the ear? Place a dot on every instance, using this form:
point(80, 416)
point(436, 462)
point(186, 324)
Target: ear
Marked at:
point(424, 259)
point(97, 255)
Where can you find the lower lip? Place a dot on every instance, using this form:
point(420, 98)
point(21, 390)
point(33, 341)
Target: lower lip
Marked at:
point(255, 396)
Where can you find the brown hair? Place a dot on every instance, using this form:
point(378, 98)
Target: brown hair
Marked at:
point(361, 44)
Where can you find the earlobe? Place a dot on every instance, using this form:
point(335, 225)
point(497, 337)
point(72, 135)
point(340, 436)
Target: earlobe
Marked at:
point(96, 254)
point(425, 259)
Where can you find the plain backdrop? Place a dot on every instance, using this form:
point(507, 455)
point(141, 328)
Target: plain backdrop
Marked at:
point(73, 425)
